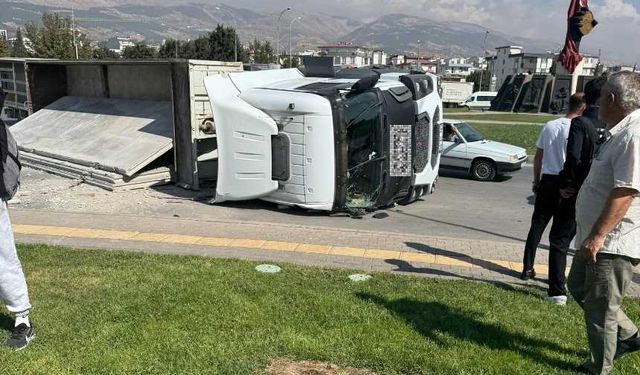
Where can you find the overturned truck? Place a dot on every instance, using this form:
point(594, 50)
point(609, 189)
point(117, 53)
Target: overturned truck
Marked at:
point(315, 141)
point(326, 143)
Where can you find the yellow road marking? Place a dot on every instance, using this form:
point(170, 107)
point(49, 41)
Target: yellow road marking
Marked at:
point(406, 256)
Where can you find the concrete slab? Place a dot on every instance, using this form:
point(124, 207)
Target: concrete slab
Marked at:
point(116, 135)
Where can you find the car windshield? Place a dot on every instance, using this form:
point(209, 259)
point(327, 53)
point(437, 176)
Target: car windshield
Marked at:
point(468, 132)
point(364, 152)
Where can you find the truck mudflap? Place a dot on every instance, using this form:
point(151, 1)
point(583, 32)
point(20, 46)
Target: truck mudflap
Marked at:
point(244, 144)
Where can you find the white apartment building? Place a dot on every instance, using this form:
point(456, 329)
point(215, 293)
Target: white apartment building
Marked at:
point(512, 60)
point(118, 44)
point(349, 55)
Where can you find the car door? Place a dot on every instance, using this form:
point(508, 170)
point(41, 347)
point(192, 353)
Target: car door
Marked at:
point(455, 148)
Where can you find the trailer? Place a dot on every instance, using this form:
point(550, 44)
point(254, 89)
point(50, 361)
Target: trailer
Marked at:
point(112, 123)
point(454, 93)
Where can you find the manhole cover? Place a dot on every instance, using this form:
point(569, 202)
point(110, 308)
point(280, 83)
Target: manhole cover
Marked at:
point(268, 268)
point(359, 278)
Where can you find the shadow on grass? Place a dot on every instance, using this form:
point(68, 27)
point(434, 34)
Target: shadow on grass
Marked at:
point(433, 319)
point(6, 322)
point(526, 289)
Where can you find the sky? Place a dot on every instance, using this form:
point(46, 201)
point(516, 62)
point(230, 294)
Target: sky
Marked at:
point(617, 35)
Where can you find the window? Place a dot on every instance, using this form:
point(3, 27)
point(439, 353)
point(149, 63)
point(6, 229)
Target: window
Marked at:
point(485, 98)
point(364, 150)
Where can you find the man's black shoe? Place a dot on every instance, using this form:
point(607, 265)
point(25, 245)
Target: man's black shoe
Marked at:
point(20, 337)
point(627, 346)
point(528, 274)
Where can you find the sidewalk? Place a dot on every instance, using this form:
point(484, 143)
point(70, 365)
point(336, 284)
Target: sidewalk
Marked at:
point(429, 256)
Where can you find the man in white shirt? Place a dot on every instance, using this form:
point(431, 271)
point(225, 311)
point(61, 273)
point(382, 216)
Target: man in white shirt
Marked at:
point(547, 165)
point(608, 217)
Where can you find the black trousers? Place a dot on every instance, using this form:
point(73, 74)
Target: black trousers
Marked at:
point(550, 205)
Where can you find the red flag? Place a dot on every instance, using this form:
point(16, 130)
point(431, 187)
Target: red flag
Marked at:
point(580, 22)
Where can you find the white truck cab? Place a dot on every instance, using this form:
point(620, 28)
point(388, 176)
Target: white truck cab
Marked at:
point(326, 143)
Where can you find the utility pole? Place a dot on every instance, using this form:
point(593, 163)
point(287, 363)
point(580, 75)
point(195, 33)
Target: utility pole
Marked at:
point(484, 55)
point(418, 63)
point(278, 32)
point(290, 47)
point(73, 31)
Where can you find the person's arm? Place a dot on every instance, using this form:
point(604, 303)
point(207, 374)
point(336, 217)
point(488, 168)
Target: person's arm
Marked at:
point(537, 168)
point(626, 176)
point(574, 154)
point(614, 211)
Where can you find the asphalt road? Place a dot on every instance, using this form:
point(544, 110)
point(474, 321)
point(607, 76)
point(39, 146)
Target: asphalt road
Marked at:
point(460, 208)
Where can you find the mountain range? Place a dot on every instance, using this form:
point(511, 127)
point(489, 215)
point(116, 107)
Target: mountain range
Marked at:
point(395, 33)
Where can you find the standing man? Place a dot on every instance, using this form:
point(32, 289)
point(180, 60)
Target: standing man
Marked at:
point(608, 217)
point(548, 162)
point(587, 133)
point(13, 286)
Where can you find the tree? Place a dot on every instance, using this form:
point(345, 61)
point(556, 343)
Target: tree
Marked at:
point(102, 52)
point(475, 78)
point(224, 44)
point(55, 39)
point(5, 50)
point(261, 53)
point(19, 49)
point(139, 51)
point(295, 61)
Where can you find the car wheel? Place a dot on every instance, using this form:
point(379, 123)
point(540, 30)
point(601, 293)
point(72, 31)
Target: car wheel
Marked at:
point(483, 170)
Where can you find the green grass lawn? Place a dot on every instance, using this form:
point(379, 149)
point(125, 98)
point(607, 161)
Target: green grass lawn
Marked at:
point(518, 135)
point(124, 313)
point(510, 117)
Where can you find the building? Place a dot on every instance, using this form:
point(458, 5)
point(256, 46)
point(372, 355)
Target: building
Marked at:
point(348, 55)
point(118, 44)
point(590, 65)
point(4, 35)
point(13, 80)
point(512, 60)
point(622, 68)
point(397, 60)
point(478, 62)
point(380, 57)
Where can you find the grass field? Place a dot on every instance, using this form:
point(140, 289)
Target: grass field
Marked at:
point(510, 117)
point(122, 313)
point(518, 135)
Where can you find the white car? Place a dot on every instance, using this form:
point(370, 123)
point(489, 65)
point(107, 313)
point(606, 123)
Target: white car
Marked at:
point(466, 149)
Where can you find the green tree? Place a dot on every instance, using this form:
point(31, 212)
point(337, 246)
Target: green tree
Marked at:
point(139, 51)
point(102, 52)
point(5, 50)
point(295, 62)
point(475, 78)
point(224, 44)
point(261, 53)
point(54, 39)
point(19, 49)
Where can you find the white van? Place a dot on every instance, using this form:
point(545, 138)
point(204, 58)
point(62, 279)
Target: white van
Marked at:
point(479, 100)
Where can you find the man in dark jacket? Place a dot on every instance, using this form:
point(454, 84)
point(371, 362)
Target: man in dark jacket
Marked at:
point(586, 133)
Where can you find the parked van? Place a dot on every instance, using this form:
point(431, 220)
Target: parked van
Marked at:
point(479, 100)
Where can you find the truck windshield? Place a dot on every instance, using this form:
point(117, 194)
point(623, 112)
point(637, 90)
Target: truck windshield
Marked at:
point(469, 133)
point(364, 152)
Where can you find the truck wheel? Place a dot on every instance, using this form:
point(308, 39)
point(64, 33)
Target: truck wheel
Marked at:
point(483, 170)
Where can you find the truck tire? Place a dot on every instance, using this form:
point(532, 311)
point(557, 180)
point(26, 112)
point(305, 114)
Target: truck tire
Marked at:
point(484, 170)
point(415, 192)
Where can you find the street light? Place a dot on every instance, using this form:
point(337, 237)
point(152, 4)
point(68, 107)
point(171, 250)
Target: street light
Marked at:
point(290, 54)
point(484, 54)
point(278, 32)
